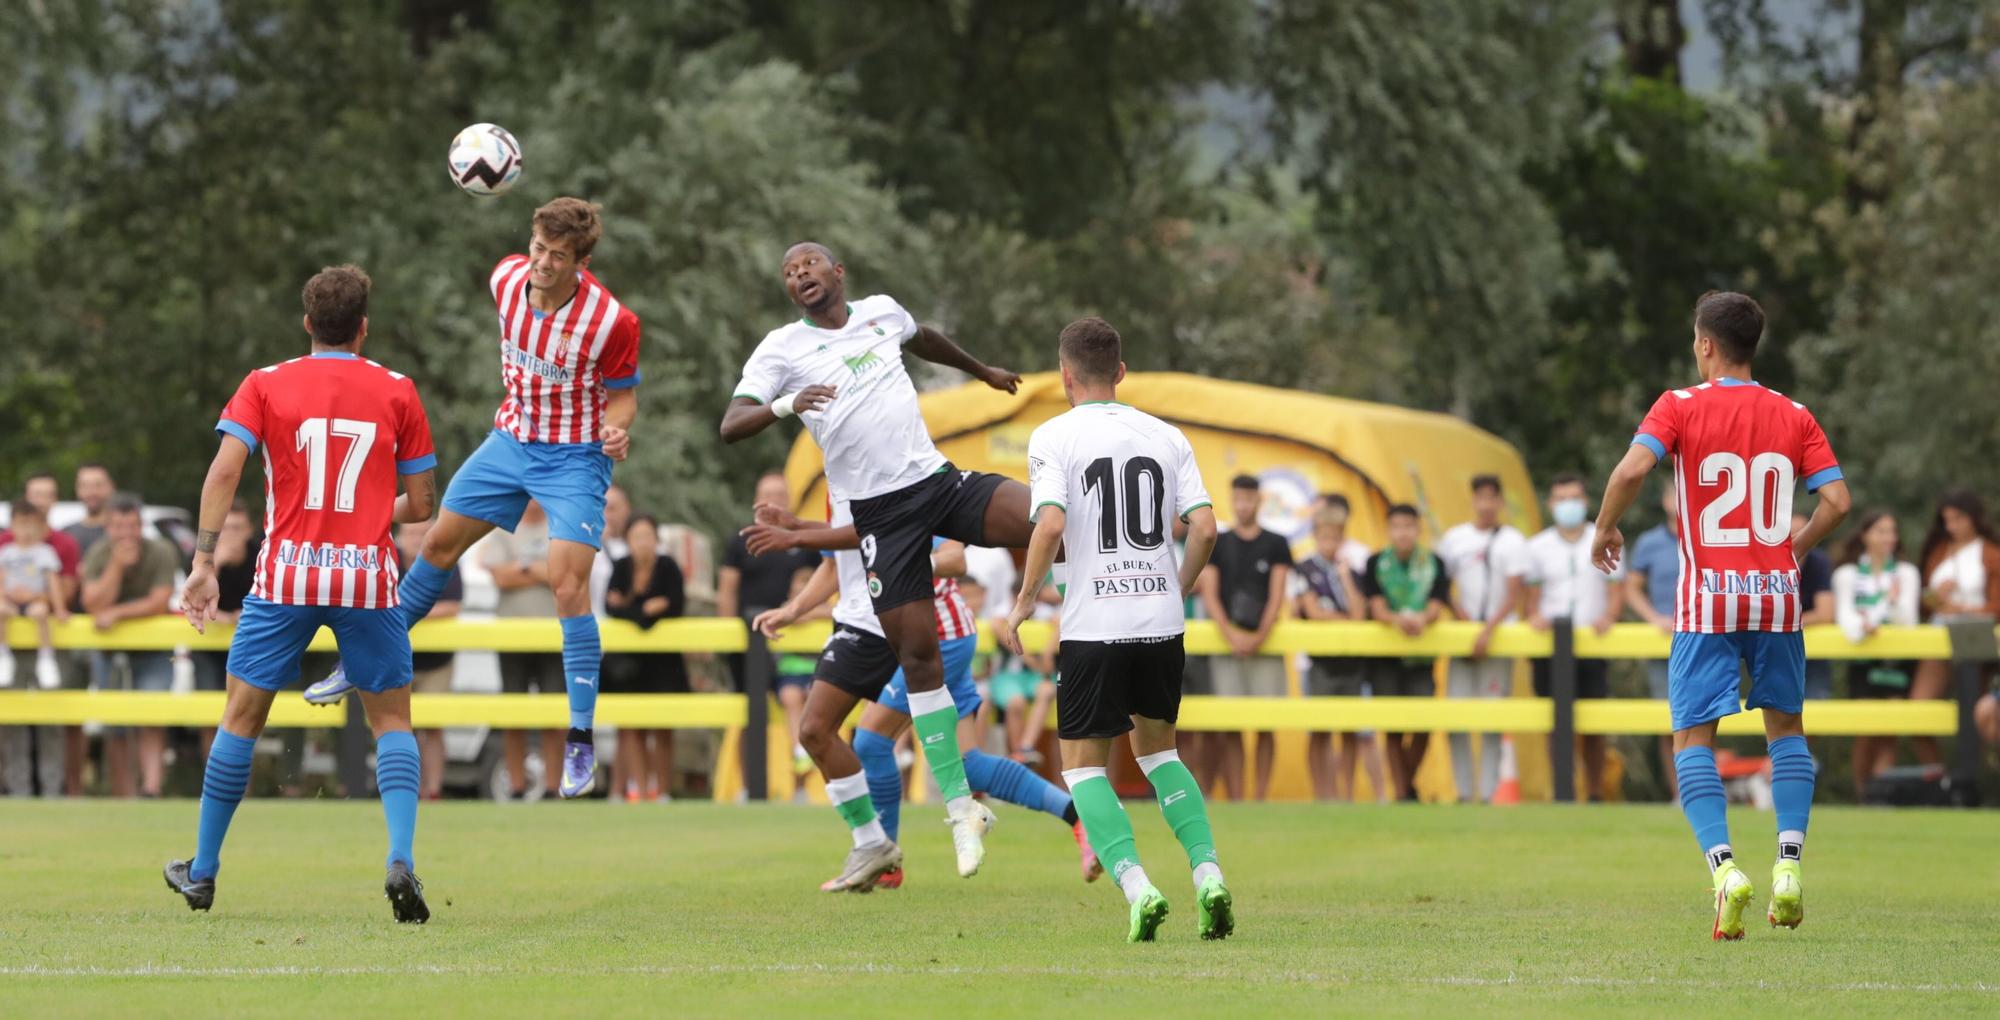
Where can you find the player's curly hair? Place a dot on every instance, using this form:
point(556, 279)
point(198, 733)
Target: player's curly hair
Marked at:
point(1091, 349)
point(336, 301)
point(1733, 320)
point(573, 220)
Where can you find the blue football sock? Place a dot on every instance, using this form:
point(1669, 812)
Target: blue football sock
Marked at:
point(1792, 775)
point(1014, 783)
point(398, 772)
point(885, 781)
point(582, 655)
point(1701, 796)
point(418, 591)
point(222, 787)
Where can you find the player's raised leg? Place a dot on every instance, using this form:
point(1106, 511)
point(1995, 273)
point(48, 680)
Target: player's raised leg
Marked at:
point(417, 591)
point(911, 628)
point(875, 853)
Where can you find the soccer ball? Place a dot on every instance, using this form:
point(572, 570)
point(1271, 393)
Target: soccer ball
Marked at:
point(485, 160)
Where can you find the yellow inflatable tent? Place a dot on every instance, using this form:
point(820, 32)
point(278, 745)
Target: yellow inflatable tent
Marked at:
point(1299, 445)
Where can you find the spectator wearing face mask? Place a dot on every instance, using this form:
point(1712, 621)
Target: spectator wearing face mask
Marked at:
point(1562, 584)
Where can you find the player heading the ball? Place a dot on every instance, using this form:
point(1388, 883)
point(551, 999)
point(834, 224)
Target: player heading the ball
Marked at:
point(569, 359)
point(337, 430)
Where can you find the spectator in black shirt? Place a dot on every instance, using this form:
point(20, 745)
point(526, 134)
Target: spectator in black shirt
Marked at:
point(747, 585)
point(1244, 590)
point(646, 588)
point(1816, 592)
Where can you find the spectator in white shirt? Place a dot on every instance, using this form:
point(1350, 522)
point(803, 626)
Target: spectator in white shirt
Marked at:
point(1563, 584)
point(1484, 557)
point(1872, 588)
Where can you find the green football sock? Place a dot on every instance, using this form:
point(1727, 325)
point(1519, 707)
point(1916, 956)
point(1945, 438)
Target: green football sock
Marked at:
point(1182, 804)
point(849, 795)
point(936, 720)
point(1104, 821)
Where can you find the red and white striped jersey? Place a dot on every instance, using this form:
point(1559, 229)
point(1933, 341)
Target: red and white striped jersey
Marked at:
point(336, 430)
point(560, 366)
point(953, 615)
point(1738, 451)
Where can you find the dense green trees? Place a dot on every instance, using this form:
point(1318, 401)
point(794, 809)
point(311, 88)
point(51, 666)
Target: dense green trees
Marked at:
point(1501, 211)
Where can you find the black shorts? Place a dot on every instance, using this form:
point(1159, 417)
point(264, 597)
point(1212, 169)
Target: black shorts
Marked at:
point(1880, 679)
point(857, 662)
point(1101, 685)
point(1593, 678)
point(641, 673)
point(896, 530)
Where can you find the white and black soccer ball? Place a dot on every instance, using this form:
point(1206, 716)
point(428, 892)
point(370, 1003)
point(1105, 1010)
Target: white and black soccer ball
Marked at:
point(485, 160)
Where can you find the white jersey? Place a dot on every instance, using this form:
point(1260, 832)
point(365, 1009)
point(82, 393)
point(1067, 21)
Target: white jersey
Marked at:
point(855, 608)
point(1113, 469)
point(872, 434)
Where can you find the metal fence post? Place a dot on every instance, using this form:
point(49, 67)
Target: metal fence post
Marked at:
point(1562, 690)
point(758, 667)
point(1965, 778)
point(1972, 647)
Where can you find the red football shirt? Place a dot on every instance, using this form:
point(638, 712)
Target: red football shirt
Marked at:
point(1739, 450)
point(336, 430)
point(559, 367)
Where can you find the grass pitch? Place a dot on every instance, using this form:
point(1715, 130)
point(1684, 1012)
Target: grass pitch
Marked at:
point(700, 910)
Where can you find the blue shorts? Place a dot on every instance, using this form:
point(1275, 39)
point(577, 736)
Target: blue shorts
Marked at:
point(957, 656)
point(1703, 678)
point(374, 644)
point(569, 480)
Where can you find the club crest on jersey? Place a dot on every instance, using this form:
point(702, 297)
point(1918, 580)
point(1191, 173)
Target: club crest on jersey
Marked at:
point(874, 585)
point(878, 330)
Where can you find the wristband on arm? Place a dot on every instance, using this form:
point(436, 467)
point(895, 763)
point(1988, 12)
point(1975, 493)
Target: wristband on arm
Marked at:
point(782, 407)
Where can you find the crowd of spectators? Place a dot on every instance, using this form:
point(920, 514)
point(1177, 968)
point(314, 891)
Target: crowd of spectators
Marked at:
point(113, 560)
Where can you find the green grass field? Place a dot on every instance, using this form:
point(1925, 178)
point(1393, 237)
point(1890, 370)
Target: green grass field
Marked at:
point(699, 910)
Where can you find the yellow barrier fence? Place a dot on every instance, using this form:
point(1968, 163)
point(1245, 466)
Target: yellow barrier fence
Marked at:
point(709, 634)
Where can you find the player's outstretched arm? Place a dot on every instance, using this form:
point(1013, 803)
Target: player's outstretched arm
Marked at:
point(761, 538)
point(200, 595)
point(817, 590)
point(938, 349)
point(746, 416)
point(419, 499)
point(1619, 492)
